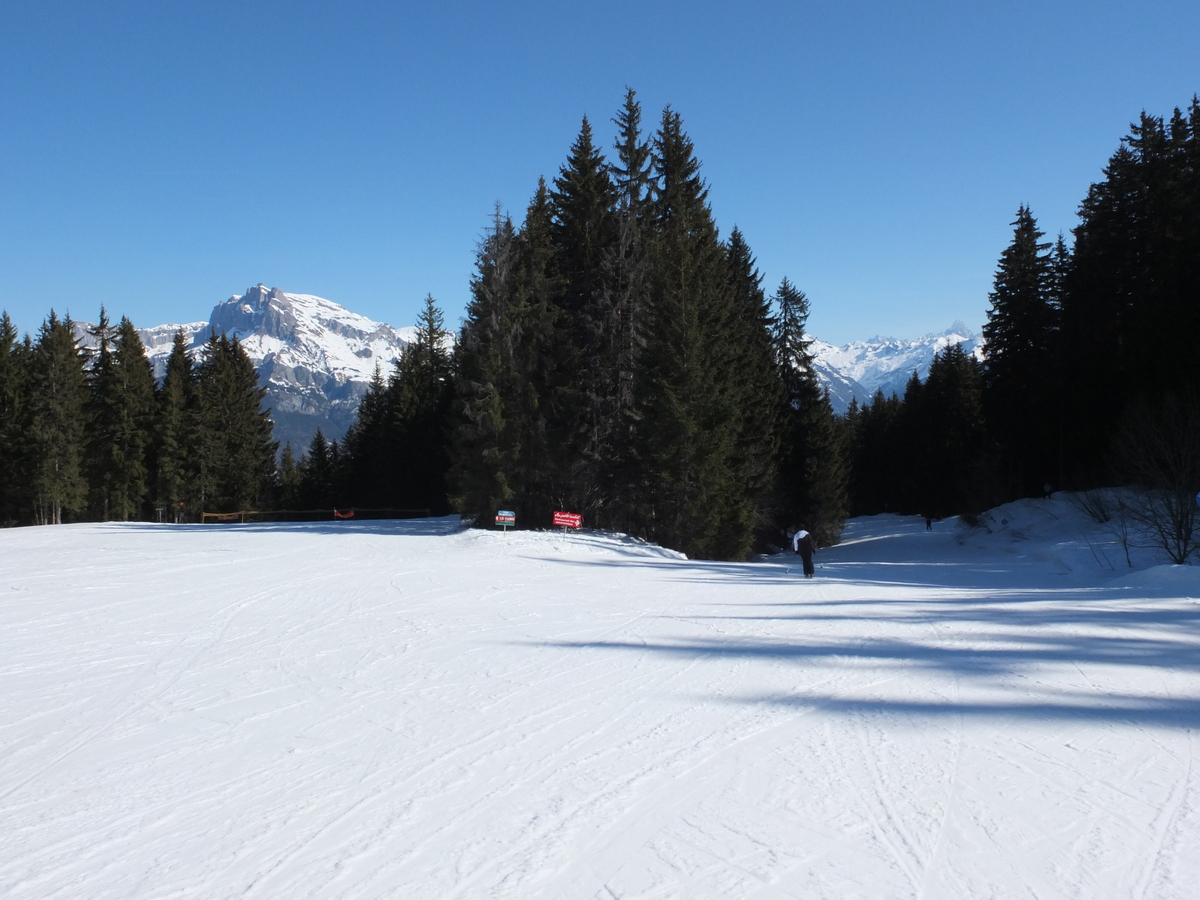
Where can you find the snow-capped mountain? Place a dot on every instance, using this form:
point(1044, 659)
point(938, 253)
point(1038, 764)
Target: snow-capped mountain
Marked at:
point(861, 368)
point(314, 357)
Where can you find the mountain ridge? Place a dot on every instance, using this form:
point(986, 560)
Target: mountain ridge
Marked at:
point(316, 358)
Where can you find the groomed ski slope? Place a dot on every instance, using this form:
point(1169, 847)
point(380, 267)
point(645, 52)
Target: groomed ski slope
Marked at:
point(411, 710)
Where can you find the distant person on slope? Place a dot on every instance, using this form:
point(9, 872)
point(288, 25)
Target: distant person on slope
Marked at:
point(802, 543)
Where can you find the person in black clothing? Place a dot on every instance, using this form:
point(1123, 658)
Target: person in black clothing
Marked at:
point(802, 543)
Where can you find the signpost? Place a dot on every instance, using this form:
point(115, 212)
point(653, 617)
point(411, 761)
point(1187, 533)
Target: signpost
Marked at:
point(568, 520)
point(506, 518)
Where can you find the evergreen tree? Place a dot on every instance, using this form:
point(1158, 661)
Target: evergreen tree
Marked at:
point(1019, 347)
point(366, 449)
point(626, 279)
point(584, 231)
point(120, 425)
point(877, 479)
point(487, 384)
point(317, 474)
point(423, 394)
point(813, 473)
point(177, 434)
point(545, 400)
point(56, 424)
point(686, 392)
point(952, 445)
point(289, 480)
point(759, 399)
point(13, 476)
point(617, 359)
point(1129, 314)
point(235, 453)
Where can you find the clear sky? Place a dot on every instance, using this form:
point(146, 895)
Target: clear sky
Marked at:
point(159, 157)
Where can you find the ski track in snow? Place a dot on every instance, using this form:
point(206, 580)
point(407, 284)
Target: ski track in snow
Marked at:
point(412, 710)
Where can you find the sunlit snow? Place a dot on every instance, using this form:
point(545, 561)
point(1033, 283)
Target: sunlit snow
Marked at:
point(413, 710)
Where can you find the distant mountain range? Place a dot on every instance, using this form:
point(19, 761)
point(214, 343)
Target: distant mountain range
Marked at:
point(316, 358)
point(882, 363)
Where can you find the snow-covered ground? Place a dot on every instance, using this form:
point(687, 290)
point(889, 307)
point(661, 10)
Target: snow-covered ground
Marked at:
point(414, 711)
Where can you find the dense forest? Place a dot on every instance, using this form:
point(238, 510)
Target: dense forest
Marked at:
point(89, 435)
point(1091, 368)
point(621, 359)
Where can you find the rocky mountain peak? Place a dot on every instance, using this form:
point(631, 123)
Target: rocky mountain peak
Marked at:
point(314, 357)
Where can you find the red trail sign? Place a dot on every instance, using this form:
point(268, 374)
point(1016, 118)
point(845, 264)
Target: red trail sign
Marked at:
point(568, 520)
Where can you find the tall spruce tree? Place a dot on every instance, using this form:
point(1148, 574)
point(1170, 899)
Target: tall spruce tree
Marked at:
point(13, 476)
point(56, 424)
point(234, 450)
point(626, 278)
point(120, 426)
point(423, 393)
point(584, 230)
point(545, 396)
point(487, 383)
point(687, 391)
point(759, 399)
point(177, 434)
point(317, 475)
point(290, 476)
point(813, 477)
point(1020, 373)
point(366, 449)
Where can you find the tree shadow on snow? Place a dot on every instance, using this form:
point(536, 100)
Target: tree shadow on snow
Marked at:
point(426, 527)
point(990, 640)
point(1142, 711)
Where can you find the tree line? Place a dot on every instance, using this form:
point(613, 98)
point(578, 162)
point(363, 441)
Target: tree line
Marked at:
point(1090, 375)
point(88, 434)
point(621, 359)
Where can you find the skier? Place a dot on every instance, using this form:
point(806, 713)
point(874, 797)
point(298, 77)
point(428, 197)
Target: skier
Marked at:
point(802, 543)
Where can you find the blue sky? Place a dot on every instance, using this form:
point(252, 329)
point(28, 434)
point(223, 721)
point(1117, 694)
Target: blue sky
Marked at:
point(159, 157)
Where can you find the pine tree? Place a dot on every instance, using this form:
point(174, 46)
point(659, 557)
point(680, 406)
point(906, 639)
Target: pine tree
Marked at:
point(13, 476)
point(1129, 314)
point(289, 480)
point(877, 478)
point(234, 450)
point(422, 392)
point(177, 434)
point(626, 278)
point(545, 390)
point(759, 400)
point(686, 391)
point(317, 474)
point(366, 448)
point(584, 230)
point(486, 382)
point(120, 422)
point(813, 469)
point(948, 434)
point(1019, 347)
point(55, 434)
